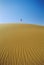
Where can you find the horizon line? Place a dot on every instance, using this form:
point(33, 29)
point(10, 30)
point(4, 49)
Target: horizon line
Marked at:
point(21, 23)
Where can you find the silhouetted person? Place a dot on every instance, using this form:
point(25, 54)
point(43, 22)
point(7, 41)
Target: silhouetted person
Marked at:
point(21, 20)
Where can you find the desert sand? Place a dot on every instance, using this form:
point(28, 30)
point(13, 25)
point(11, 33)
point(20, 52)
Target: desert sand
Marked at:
point(21, 44)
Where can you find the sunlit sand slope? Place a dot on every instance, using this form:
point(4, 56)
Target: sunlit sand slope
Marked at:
point(21, 44)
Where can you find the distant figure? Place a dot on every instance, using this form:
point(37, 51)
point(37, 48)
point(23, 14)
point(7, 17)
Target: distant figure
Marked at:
point(21, 20)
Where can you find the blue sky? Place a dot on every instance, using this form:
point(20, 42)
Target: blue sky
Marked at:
point(31, 11)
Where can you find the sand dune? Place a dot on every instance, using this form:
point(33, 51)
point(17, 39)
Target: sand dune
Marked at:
point(21, 44)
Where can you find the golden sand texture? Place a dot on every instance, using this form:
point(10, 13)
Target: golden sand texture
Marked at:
point(21, 44)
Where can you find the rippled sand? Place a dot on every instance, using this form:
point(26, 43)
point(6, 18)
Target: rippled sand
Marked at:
point(21, 44)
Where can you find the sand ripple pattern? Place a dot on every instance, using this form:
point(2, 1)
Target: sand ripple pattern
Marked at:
point(20, 56)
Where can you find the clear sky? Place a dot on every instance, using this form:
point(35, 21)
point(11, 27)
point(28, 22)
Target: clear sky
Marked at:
point(31, 11)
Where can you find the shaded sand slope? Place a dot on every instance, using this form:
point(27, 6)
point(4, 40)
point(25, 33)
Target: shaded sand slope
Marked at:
point(21, 44)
